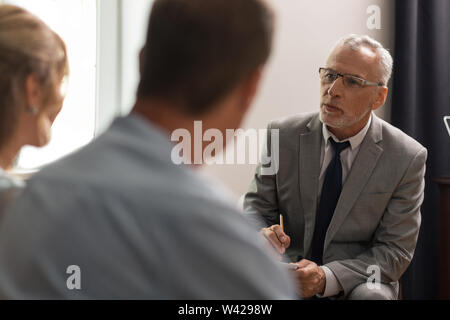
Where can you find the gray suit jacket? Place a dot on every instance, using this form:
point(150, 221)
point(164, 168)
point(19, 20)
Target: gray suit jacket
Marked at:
point(377, 218)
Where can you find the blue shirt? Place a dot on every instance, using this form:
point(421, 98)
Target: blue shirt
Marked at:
point(136, 226)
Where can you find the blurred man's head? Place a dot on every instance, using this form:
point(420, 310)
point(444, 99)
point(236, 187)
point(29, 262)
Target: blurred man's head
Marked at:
point(353, 83)
point(205, 57)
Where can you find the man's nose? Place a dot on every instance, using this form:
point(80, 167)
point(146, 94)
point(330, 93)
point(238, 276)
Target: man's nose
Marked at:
point(336, 87)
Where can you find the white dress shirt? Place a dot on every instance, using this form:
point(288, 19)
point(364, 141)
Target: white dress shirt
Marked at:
point(332, 286)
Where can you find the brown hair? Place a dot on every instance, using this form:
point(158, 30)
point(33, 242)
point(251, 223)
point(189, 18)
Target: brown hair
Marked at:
point(197, 51)
point(27, 46)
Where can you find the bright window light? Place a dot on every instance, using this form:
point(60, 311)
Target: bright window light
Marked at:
point(76, 22)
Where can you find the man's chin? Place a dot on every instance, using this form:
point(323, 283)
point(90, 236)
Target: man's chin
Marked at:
point(330, 120)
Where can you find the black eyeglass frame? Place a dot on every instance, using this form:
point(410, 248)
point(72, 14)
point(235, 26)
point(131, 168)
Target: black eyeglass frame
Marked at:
point(365, 82)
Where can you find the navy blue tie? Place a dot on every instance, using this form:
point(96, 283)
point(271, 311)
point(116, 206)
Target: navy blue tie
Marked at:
point(331, 191)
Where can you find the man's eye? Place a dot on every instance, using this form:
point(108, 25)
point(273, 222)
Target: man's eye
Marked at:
point(330, 76)
point(353, 82)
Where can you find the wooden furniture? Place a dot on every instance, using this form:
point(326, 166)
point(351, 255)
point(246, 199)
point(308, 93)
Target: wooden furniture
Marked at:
point(444, 251)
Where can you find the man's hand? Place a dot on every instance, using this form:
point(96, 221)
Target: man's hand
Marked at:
point(311, 279)
point(277, 239)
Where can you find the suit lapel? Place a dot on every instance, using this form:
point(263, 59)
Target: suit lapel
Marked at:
point(309, 158)
point(357, 178)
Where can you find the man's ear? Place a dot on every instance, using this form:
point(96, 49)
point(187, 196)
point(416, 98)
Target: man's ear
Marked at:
point(251, 86)
point(33, 93)
point(381, 98)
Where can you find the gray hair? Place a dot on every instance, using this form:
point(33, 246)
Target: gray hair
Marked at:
point(354, 42)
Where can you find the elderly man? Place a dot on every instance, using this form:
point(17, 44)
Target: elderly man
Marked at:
point(348, 185)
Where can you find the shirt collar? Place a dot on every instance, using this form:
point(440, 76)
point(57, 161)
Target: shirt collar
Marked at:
point(355, 141)
point(9, 181)
point(154, 138)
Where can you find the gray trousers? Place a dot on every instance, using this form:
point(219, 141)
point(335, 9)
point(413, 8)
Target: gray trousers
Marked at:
point(384, 292)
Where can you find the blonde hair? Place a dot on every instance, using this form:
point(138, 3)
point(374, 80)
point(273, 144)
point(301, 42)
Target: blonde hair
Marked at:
point(27, 47)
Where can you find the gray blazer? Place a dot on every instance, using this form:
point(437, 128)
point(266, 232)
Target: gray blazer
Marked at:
point(377, 218)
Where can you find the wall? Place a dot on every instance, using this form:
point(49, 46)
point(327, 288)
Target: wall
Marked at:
point(306, 32)
point(135, 15)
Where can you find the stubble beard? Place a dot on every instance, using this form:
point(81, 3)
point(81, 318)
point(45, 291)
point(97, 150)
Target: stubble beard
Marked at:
point(341, 121)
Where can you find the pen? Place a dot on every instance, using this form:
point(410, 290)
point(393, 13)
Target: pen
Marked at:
point(282, 226)
point(290, 266)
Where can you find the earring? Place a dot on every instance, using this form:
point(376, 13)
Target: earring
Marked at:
point(33, 110)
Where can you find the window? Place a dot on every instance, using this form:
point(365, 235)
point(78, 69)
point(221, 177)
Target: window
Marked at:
point(103, 39)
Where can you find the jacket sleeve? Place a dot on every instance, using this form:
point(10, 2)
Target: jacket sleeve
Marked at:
point(261, 202)
point(396, 236)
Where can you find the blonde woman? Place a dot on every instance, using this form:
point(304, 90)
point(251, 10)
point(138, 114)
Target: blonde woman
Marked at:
point(33, 65)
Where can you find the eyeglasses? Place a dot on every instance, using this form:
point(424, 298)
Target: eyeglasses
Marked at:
point(329, 76)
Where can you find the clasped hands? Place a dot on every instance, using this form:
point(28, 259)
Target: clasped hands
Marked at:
point(310, 277)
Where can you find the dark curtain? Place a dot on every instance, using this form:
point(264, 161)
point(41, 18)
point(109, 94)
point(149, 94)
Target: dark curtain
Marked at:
point(421, 98)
